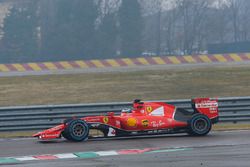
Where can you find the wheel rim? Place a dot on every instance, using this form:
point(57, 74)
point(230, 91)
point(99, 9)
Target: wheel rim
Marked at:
point(78, 130)
point(200, 125)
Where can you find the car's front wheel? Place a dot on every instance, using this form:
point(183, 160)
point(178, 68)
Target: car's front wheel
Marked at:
point(76, 130)
point(199, 125)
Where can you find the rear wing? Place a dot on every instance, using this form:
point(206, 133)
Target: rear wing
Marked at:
point(206, 106)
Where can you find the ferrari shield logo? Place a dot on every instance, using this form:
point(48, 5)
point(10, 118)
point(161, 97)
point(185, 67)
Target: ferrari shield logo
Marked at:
point(149, 109)
point(105, 120)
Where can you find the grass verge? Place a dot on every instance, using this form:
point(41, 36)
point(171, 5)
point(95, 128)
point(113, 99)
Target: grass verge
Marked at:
point(125, 86)
point(223, 127)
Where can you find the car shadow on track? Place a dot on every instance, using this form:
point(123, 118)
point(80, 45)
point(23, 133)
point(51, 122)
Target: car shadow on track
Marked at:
point(93, 139)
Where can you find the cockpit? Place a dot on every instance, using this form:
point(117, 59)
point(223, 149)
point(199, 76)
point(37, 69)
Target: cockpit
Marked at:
point(127, 110)
point(138, 108)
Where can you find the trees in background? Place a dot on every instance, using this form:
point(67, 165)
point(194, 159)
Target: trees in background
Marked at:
point(193, 14)
point(45, 30)
point(20, 33)
point(106, 37)
point(130, 28)
point(188, 26)
point(239, 14)
point(71, 35)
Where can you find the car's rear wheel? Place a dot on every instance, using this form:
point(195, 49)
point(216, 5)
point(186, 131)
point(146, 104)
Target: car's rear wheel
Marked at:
point(76, 130)
point(199, 125)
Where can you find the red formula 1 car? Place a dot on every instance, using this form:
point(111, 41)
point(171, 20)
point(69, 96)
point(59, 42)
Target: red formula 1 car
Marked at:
point(144, 119)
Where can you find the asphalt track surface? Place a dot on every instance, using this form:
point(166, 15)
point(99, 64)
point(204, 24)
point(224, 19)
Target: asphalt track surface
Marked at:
point(125, 69)
point(218, 149)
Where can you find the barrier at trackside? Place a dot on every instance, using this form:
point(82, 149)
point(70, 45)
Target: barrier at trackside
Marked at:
point(232, 109)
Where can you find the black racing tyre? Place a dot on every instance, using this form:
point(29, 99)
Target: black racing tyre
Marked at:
point(199, 125)
point(76, 130)
point(64, 134)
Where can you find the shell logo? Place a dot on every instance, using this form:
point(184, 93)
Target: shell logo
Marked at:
point(132, 122)
point(105, 120)
point(149, 109)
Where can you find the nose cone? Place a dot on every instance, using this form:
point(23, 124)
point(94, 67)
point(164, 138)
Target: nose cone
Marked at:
point(52, 133)
point(37, 134)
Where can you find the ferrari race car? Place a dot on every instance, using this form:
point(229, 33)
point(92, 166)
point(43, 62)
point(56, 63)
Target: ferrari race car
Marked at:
point(145, 118)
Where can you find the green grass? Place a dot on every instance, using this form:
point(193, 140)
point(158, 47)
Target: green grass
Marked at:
point(125, 86)
point(229, 126)
point(16, 134)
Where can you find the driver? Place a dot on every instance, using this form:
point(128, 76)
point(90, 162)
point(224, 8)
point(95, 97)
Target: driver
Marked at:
point(138, 106)
point(136, 103)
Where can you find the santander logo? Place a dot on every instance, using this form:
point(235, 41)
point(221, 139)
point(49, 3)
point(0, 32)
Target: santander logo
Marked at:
point(207, 104)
